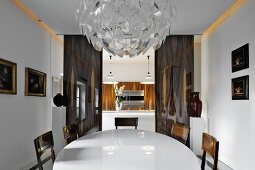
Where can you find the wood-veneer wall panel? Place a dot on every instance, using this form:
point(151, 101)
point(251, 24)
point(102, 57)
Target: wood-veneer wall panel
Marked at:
point(174, 72)
point(82, 62)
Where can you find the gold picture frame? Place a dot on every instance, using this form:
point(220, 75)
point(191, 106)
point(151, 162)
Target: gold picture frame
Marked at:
point(35, 82)
point(8, 77)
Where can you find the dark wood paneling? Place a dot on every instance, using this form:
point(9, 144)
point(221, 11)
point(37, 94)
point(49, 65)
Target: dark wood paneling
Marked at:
point(174, 68)
point(109, 96)
point(82, 62)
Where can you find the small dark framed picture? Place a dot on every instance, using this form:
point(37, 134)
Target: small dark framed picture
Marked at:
point(240, 88)
point(35, 83)
point(8, 77)
point(240, 58)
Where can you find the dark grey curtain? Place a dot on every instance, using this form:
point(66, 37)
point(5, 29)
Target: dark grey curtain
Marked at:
point(174, 68)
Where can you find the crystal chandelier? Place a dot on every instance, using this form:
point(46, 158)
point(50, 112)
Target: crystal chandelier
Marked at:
point(125, 27)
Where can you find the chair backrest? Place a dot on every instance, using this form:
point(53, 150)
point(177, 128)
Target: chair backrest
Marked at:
point(71, 133)
point(126, 121)
point(180, 132)
point(210, 145)
point(43, 144)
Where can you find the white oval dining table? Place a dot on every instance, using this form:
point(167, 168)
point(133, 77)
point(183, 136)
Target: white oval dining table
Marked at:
point(126, 149)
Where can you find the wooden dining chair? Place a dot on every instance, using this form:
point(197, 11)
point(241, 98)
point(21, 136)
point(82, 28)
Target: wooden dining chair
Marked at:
point(43, 144)
point(210, 145)
point(180, 132)
point(71, 133)
point(124, 121)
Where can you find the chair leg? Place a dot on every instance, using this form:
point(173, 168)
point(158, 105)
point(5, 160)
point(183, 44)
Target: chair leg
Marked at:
point(203, 161)
point(53, 155)
point(40, 167)
point(216, 157)
point(215, 163)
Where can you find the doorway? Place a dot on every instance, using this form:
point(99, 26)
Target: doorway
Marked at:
point(137, 97)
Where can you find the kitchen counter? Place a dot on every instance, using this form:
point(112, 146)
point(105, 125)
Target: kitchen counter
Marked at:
point(146, 118)
point(129, 111)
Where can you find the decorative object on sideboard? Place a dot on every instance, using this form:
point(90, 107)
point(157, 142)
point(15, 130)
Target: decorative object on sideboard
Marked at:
point(240, 58)
point(125, 27)
point(240, 88)
point(118, 92)
point(118, 105)
point(195, 105)
point(8, 77)
point(35, 83)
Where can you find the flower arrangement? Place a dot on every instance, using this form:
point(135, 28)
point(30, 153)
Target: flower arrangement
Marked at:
point(118, 91)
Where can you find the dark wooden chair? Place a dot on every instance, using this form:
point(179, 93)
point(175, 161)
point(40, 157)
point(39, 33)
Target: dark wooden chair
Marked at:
point(43, 144)
point(210, 145)
point(180, 132)
point(71, 133)
point(123, 121)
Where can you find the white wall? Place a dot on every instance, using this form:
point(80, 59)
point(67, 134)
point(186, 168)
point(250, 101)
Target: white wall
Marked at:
point(232, 122)
point(57, 58)
point(128, 72)
point(22, 118)
point(128, 69)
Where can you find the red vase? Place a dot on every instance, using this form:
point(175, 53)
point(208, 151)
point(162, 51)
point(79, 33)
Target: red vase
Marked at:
point(195, 105)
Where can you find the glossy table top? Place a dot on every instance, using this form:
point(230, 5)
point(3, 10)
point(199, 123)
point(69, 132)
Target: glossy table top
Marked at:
point(126, 149)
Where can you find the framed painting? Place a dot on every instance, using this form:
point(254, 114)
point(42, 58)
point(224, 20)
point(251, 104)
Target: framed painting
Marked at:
point(240, 58)
point(8, 77)
point(35, 83)
point(240, 88)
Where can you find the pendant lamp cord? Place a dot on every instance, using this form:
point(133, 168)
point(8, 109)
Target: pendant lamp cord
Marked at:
point(110, 63)
point(148, 64)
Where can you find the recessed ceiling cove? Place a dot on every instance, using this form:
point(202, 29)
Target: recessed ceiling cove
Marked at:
point(192, 17)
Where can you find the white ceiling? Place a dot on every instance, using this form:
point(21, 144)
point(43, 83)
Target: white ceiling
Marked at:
point(193, 16)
